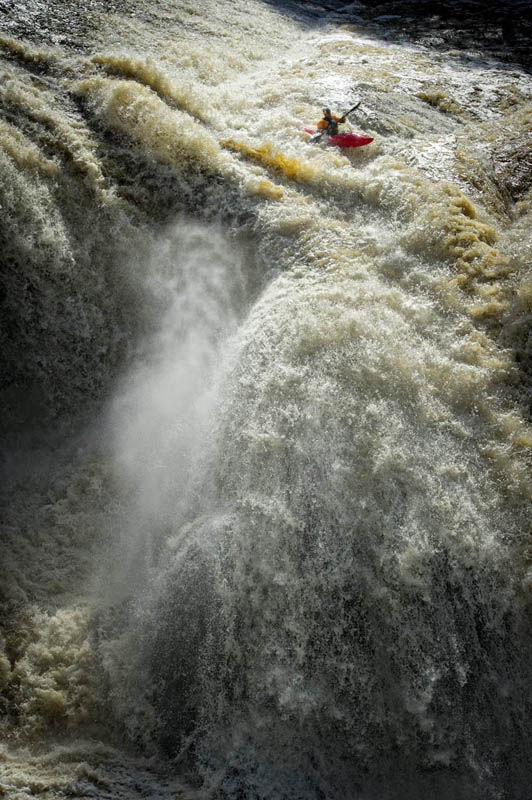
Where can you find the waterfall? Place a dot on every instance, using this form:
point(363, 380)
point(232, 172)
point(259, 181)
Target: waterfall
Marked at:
point(265, 403)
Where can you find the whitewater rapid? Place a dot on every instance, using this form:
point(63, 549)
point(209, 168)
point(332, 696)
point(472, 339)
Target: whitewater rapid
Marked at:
point(265, 407)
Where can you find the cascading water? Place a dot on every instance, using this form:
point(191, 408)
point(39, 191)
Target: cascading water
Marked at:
point(265, 404)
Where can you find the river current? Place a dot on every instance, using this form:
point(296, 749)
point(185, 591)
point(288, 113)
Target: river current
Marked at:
point(265, 403)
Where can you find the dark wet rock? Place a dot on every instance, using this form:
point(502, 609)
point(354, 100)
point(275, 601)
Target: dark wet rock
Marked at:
point(499, 30)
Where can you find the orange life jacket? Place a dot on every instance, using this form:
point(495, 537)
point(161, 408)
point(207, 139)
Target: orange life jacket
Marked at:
point(326, 122)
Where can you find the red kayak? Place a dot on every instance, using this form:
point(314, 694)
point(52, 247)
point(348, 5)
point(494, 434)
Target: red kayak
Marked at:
point(343, 139)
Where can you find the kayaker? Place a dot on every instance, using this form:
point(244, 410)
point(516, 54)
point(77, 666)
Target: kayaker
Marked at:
point(329, 123)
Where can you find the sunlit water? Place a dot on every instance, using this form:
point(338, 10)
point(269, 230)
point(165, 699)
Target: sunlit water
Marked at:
point(265, 409)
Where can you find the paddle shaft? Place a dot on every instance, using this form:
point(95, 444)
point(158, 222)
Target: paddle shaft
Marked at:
point(352, 109)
